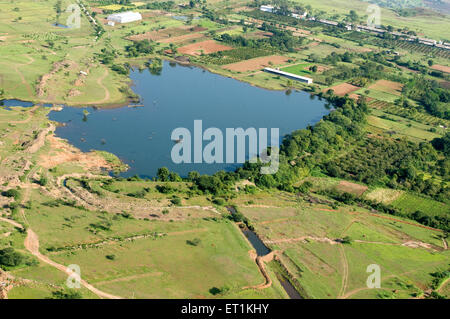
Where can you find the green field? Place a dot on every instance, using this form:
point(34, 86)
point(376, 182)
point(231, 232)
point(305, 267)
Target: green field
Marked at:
point(412, 203)
point(299, 69)
point(151, 238)
point(399, 126)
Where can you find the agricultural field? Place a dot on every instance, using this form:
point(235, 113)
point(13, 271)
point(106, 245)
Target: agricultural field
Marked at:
point(429, 24)
point(398, 126)
point(299, 69)
point(306, 237)
point(366, 183)
point(412, 203)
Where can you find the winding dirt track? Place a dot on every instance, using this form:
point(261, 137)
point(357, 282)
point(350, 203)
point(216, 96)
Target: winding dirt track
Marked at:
point(32, 245)
point(345, 272)
point(28, 119)
point(100, 82)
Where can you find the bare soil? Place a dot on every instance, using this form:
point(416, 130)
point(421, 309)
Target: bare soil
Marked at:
point(343, 88)
point(256, 63)
point(205, 47)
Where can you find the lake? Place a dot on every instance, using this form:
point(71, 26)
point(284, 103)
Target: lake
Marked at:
point(141, 136)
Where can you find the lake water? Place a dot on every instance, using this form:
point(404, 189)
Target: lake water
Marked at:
point(59, 25)
point(141, 136)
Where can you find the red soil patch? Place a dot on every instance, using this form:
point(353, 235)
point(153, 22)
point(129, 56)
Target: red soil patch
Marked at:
point(256, 63)
point(153, 13)
point(388, 87)
point(244, 9)
point(197, 29)
point(181, 38)
point(161, 34)
point(343, 88)
point(351, 188)
point(298, 32)
point(207, 47)
point(260, 35)
point(326, 210)
point(445, 84)
point(442, 68)
point(97, 10)
point(354, 96)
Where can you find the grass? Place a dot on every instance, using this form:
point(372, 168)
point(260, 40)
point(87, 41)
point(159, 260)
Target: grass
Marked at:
point(168, 267)
point(299, 69)
point(318, 266)
point(398, 126)
point(411, 203)
point(383, 195)
point(27, 55)
point(432, 26)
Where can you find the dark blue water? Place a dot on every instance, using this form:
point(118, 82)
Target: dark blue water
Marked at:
point(10, 103)
point(59, 25)
point(141, 136)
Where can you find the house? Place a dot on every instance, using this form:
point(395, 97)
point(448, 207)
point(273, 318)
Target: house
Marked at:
point(124, 17)
point(303, 79)
point(267, 8)
point(111, 23)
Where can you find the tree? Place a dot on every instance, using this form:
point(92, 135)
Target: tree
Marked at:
point(10, 258)
point(353, 16)
point(163, 174)
point(43, 180)
point(66, 294)
point(174, 177)
point(193, 176)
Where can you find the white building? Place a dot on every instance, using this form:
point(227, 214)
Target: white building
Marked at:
point(124, 17)
point(267, 8)
point(300, 78)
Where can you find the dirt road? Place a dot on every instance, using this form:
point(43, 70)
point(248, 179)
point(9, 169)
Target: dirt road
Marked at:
point(32, 245)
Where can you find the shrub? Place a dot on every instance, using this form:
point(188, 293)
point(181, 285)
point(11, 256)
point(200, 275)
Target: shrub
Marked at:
point(219, 201)
point(12, 193)
point(10, 258)
point(193, 242)
point(346, 240)
point(66, 294)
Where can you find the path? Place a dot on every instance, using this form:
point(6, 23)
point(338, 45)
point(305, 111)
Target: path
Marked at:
point(22, 78)
point(405, 222)
point(12, 222)
point(100, 82)
point(28, 119)
point(345, 271)
point(32, 245)
point(291, 240)
point(387, 217)
point(442, 285)
point(262, 269)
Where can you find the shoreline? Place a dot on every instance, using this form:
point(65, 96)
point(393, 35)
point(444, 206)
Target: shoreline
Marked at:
point(127, 102)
